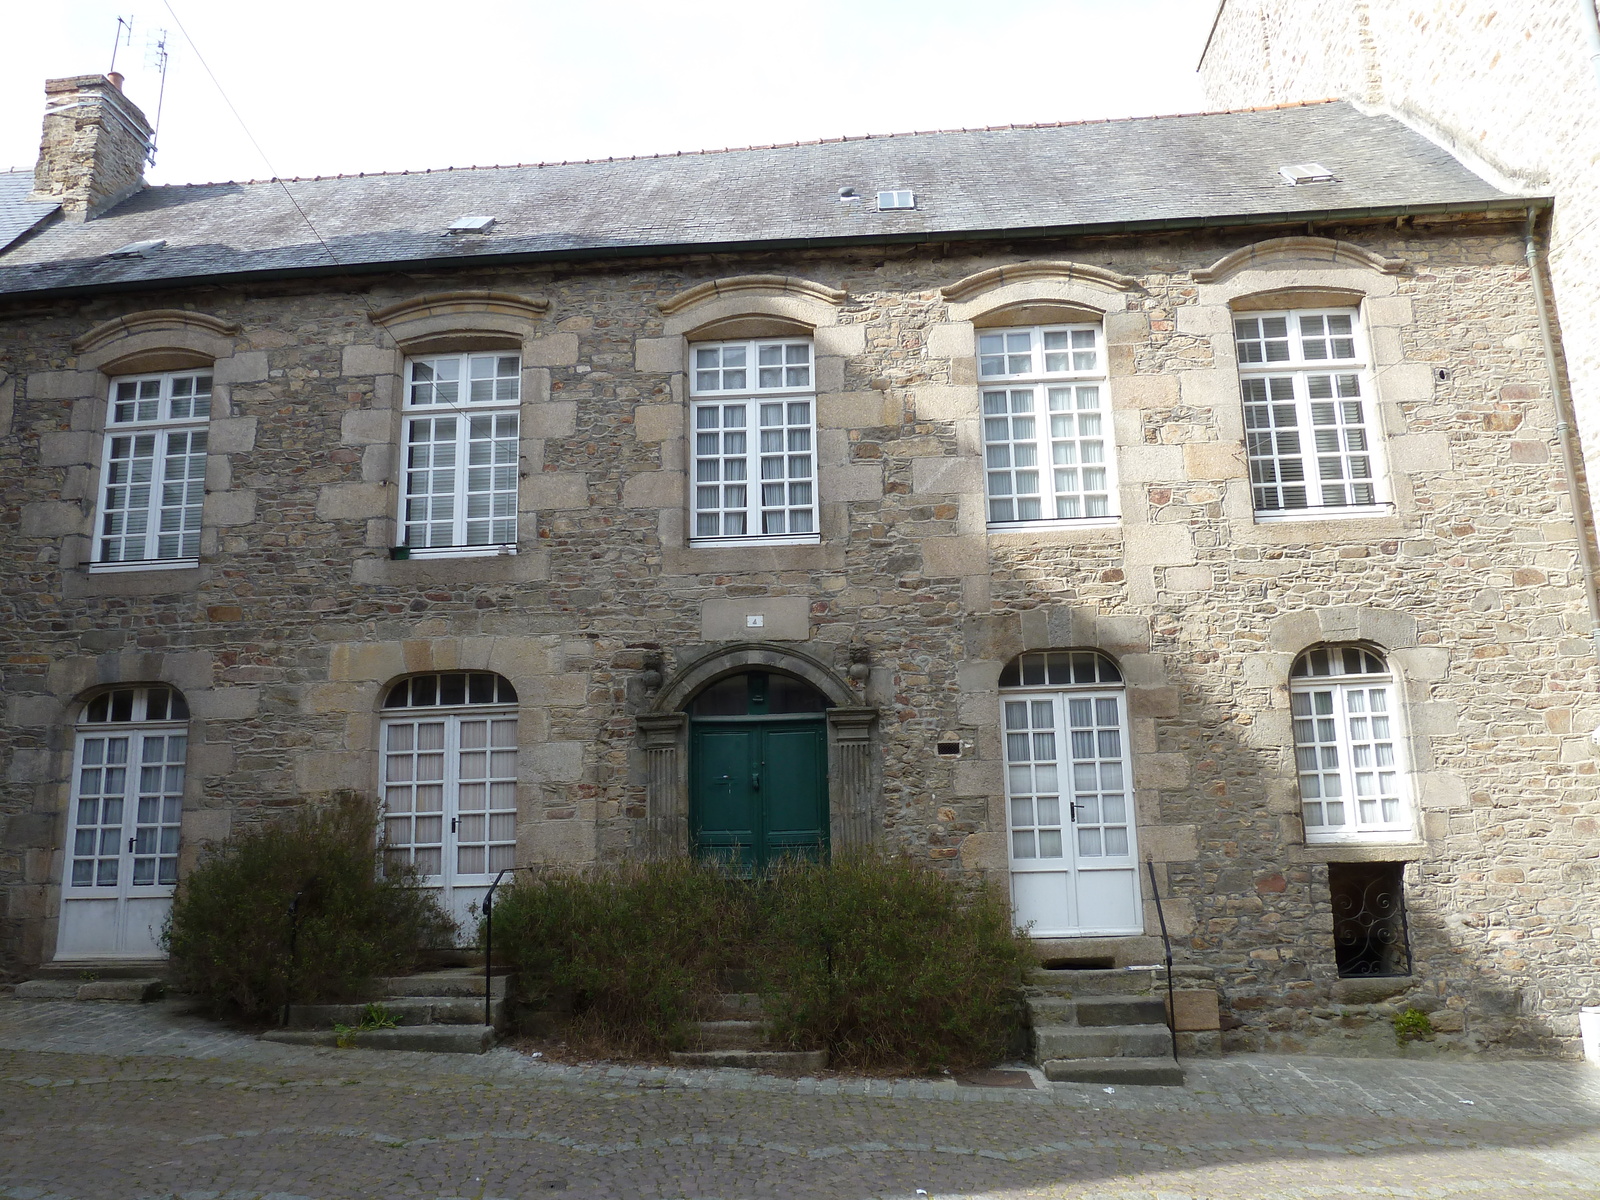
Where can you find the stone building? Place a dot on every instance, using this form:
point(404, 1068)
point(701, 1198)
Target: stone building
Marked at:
point(1509, 86)
point(1085, 509)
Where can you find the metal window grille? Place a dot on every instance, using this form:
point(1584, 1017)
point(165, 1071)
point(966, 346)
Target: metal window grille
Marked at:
point(1370, 937)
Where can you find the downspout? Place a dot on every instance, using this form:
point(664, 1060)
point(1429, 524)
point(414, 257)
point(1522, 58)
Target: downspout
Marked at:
point(1591, 29)
point(1564, 428)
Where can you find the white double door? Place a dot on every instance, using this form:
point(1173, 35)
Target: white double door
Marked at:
point(1069, 797)
point(450, 804)
point(122, 850)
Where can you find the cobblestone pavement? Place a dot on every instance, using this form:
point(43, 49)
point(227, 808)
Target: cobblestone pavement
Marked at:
point(121, 1101)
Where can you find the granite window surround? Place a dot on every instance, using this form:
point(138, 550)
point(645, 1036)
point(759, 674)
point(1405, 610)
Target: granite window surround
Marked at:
point(755, 309)
point(148, 344)
point(461, 325)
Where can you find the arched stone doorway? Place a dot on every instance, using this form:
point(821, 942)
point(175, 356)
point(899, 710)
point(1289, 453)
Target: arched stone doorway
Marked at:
point(693, 736)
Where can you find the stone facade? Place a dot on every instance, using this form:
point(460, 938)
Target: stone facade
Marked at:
point(296, 618)
point(1509, 86)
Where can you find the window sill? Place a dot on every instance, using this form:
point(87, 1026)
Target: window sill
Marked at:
point(724, 543)
point(421, 553)
point(1403, 849)
point(1353, 513)
point(142, 564)
point(1111, 522)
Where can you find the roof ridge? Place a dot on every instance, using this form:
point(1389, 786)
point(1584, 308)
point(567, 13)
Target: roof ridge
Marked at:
point(829, 141)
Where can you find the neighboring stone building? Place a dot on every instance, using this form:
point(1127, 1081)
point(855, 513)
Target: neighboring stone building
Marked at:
point(1028, 500)
point(1511, 86)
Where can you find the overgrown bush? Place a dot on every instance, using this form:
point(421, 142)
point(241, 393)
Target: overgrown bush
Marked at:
point(884, 963)
point(234, 941)
point(638, 949)
point(888, 964)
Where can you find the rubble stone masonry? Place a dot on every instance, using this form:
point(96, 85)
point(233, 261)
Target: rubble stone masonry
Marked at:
point(285, 635)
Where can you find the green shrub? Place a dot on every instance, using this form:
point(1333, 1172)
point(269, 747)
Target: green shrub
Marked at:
point(234, 942)
point(884, 963)
point(1412, 1025)
point(638, 949)
point(888, 964)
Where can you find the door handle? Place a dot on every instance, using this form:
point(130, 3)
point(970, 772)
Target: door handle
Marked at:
point(130, 845)
point(452, 824)
point(1074, 808)
point(755, 782)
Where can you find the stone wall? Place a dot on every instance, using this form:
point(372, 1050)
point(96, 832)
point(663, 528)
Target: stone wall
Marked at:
point(1507, 85)
point(93, 149)
point(285, 635)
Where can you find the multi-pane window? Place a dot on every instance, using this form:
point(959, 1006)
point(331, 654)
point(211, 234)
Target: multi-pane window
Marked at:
point(1068, 778)
point(1347, 743)
point(462, 455)
point(1310, 428)
point(755, 466)
point(153, 473)
point(1046, 424)
point(127, 803)
point(450, 774)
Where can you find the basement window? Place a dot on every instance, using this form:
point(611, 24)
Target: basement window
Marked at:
point(1369, 919)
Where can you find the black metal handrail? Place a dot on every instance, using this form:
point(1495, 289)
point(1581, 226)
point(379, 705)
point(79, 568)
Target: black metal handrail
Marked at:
point(1166, 942)
point(487, 908)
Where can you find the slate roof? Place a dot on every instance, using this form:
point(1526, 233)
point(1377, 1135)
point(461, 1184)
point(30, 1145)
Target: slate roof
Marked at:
point(1216, 168)
point(18, 214)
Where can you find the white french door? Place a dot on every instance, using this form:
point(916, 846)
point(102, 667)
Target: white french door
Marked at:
point(1069, 796)
point(450, 803)
point(122, 852)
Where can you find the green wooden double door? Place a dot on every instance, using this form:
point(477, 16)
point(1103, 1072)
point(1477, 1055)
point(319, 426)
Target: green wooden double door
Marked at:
point(759, 789)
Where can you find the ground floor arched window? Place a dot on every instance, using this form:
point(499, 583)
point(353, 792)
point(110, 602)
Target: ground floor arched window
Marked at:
point(450, 782)
point(129, 757)
point(1069, 795)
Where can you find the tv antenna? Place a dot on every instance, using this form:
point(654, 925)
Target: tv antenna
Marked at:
point(124, 38)
point(156, 56)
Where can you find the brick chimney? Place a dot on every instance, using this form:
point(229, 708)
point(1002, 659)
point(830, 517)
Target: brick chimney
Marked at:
point(94, 147)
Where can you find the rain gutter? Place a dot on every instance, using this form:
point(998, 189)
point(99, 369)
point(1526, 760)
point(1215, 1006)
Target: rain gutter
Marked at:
point(763, 246)
point(1581, 517)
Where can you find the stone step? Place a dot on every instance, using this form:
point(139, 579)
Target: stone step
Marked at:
point(434, 1039)
point(739, 1006)
point(1146, 1072)
point(459, 981)
point(1125, 981)
point(799, 1062)
point(405, 1011)
point(1097, 1010)
point(96, 970)
point(137, 991)
point(1102, 1041)
point(730, 1035)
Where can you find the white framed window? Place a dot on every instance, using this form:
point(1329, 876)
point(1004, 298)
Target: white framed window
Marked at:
point(753, 406)
point(1310, 427)
point(450, 776)
point(1349, 751)
point(153, 471)
point(127, 804)
point(1047, 445)
point(462, 455)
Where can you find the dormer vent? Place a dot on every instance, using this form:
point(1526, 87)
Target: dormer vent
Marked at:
point(471, 224)
point(848, 195)
point(903, 198)
point(1307, 172)
point(139, 249)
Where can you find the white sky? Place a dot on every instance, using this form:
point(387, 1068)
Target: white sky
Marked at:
point(360, 85)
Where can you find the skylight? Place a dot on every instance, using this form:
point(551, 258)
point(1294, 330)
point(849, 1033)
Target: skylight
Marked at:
point(138, 249)
point(1306, 172)
point(471, 224)
point(897, 199)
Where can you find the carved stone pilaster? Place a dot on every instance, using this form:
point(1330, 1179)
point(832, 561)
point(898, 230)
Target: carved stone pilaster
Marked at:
point(853, 788)
point(665, 742)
